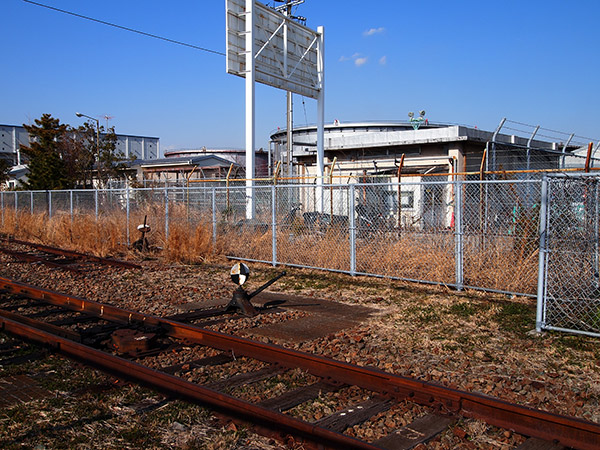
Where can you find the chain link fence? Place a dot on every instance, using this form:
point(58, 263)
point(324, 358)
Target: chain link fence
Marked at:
point(476, 234)
point(570, 287)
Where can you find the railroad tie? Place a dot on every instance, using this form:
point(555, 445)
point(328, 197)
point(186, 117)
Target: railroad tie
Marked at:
point(354, 415)
point(540, 444)
point(247, 378)
point(295, 397)
point(421, 430)
point(216, 360)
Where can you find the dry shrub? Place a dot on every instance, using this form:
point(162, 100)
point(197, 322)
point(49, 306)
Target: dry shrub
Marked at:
point(11, 222)
point(82, 233)
point(503, 269)
point(251, 244)
point(330, 250)
point(411, 256)
point(189, 244)
point(491, 262)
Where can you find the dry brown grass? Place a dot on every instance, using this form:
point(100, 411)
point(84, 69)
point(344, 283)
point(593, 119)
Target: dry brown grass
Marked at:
point(498, 263)
point(83, 233)
point(189, 244)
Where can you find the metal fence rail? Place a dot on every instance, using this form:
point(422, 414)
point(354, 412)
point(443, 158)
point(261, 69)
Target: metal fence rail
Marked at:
point(476, 234)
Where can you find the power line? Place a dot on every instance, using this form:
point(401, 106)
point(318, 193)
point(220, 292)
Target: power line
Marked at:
point(143, 33)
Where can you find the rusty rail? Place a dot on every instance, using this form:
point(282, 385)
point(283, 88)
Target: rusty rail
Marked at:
point(569, 431)
point(74, 254)
point(33, 258)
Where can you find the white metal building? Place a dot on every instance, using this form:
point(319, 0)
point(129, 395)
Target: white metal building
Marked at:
point(12, 136)
point(377, 147)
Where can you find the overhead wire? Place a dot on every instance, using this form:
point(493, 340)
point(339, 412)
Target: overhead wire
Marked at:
point(143, 33)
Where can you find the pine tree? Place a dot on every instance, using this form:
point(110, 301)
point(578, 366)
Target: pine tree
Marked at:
point(78, 149)
point(4, 168)
point(46, 166)
point(111, 162)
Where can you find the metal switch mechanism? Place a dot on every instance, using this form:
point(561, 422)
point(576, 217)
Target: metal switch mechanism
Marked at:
point(142, 243)
point(240, 300)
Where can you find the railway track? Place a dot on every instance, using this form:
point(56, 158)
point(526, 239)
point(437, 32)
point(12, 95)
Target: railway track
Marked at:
point(58, 257)
point(235, 376)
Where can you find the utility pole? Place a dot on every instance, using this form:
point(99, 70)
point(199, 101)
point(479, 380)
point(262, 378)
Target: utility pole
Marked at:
point(286, 9)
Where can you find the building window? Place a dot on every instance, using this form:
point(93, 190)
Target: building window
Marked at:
point(408, 199)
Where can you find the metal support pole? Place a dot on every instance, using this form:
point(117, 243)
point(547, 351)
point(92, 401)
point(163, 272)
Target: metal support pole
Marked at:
point(400, 166)
point(250, 109)
point(71, 204)
point(321, 117)
point(274, 224)
point(564, 151)
point(127, 209)
point(289, 96)
point(588, 157)
point(16, 210)
point(529, 146)
point(166, 214)
point(2, 200)
point(458, 234)
point(50, 204)
point(597, 235)
point(543, 257)
point(31, 202)
point(214, 216)
point(96, 203)
point(352, 230)
point(494, 136)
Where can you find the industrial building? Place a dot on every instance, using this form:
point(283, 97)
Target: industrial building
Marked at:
point(379, 154)
point(376, 147)
point(12, 137)
point(180, 170)
point(140, 147)
point(185, 165)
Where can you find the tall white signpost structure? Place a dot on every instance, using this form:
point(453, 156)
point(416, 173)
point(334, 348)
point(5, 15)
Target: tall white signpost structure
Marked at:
point(269, 47)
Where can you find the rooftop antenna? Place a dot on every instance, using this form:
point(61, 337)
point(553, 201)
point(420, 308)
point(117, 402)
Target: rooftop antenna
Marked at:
point(417, 121)
point(286, 9)
point(107, 117)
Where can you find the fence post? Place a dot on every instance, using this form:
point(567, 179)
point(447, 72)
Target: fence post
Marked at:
point(352, 231)
point(597, 235)
point(71, 204)
point(214, 215)
point(2, 200)
point(49, 204)
point(274, 224)
point(127, 209)
point(458, 235)
point(16, 210)
point(96, 203)
point(166, 213)
point(543, 255)
point(31, 201)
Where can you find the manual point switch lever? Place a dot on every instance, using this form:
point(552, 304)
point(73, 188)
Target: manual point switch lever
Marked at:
point(240, 300)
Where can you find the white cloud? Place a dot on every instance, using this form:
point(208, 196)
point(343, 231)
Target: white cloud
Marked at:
point(383, 60)
point(360, 61)
point(372, 31)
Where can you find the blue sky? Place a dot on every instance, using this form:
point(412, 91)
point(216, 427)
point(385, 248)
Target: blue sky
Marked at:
point(466, 62)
